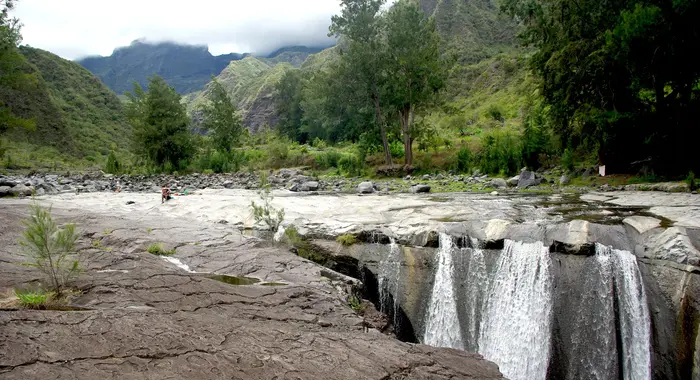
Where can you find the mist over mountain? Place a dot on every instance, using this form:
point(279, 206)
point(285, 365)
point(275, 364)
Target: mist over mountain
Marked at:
point(188, 68)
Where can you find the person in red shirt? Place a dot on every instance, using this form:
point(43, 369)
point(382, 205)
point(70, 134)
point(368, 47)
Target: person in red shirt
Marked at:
point(165, 194)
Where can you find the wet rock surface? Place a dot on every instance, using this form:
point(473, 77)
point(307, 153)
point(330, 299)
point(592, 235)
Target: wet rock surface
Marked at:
point(149, 317)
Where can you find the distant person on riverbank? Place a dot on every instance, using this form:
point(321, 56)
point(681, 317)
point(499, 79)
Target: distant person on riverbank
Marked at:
point(165, 194)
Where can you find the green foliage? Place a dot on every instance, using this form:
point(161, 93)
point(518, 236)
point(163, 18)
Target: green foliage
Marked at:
point(397, 149)
point(51, 249)
point(160, 125)
point(351, 165)
point(221, 119)
point(346, 239)
point(355, 303)
point(214, 161)
point(567, 160)
point(278, 151)
point(288, 105)
point(619, 78)
point(113, 166)
point(294, 239)
point(32, 299)
point(690, 180)
point(501, 153)
point(264, 211)
point(158, 250)
point(464, 156)
point(495, 112)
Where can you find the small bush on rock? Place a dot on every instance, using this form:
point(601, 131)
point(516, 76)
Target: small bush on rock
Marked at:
point(158, 250)
point(263, 211)
point(51, 249)
point(346, 240)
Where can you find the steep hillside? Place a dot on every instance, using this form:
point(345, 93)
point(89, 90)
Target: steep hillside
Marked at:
point(77, 117)
point(187, 68)
point(250, 82)
point(471, 30)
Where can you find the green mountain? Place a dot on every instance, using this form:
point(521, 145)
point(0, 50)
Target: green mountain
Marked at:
point(78, 119)
point(186, 67)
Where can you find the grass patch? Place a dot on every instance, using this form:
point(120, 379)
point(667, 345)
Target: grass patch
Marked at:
point(158, 250)
point(33, 299)
point(346, 239)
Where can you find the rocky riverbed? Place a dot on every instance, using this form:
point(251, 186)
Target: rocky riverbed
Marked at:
point(300, 181)
point(149, 314)
point(142, 316)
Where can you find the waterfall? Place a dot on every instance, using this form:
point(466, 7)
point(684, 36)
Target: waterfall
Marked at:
point(515, 328)
point(476, 282)
point(389, 275)
point(635, 327)
point(442, 328)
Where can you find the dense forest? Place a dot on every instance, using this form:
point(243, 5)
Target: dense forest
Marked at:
point(418, 86)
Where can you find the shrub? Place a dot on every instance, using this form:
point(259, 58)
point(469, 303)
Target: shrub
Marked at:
point(318, 144)
point(277, 152)
point(346, 240)
point(501, 153)
point(32, 299)
point(158, 250)
point(690, 180)
point(221, 162)
point(50, 248)
point(264, 212)
point(113, 166)
point(495, 112)
point(463, 159)
point(567, 160)
point(293, 237)
point(350, 164)
point(397, 149)
point(327, 160)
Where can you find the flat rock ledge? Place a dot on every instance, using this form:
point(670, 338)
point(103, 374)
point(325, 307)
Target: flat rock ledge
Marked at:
point(151, 318)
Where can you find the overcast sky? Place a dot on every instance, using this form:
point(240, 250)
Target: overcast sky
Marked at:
point(78, 28)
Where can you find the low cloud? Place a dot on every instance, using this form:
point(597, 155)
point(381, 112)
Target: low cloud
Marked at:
point(78, 28)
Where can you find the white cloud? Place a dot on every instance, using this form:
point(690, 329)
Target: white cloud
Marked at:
point(77, 28)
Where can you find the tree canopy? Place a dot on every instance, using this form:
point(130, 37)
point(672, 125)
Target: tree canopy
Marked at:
point(160, 123)
point(221, 119)
point(619, 77)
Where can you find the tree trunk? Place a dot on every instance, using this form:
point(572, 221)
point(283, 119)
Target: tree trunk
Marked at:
point(382, 127)
point(410, 136)
point(403, 116)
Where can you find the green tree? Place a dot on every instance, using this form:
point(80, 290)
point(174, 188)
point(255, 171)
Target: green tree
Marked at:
point(619, 77)
point(51, 249)
point(361, 25)
point(221, 119)
point(288, 105)
point(11, 64)
point(160, 124)
point(418, 72)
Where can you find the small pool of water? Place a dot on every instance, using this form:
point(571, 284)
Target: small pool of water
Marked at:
point(232, 280)
point(273, 284)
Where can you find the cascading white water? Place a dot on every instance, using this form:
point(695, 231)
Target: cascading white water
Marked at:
point(389, 273)
point(635, 326)
point(442, 328)
point(515, 328)
point(477, 281)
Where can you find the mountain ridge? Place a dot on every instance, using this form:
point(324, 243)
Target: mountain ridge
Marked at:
point(188, 68)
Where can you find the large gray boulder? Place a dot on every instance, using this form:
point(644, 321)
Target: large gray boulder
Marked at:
point(527, 179)
point(498, 183)
point(672, 245)
point(564, 179)
point(365, 188)
point(309, 186)
point(514, 181)
point(21, 190)
point(5, 191)
point(6, 182)
point(422, 188)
